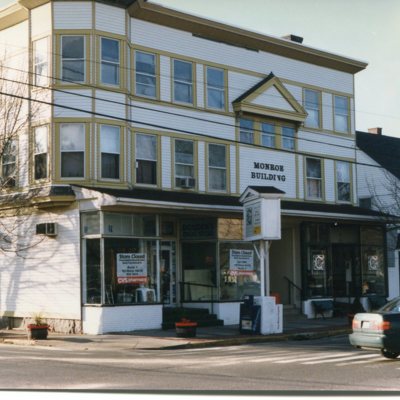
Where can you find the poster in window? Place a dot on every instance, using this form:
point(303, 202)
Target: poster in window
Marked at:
point(318, 262)
point(373, 262)
point(241, 262)
point(132, 268)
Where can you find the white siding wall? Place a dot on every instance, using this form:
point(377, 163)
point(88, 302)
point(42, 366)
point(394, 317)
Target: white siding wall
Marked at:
point(110, 19)
point(72, 15)
point(233, 168)
point(295, 91)
point(166, 162)
point(47, 279)
point(200, 85)
point(329, 167)
point(110, 105)
point(41, 21)
point(238, 84)
point(272, 98)
point(165, 78)
point(70, 99)
point(300, 176)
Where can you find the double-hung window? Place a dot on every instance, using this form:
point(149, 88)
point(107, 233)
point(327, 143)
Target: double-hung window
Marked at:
point(215, 88)
point(217, 167)
point(146, 159)
point(183, 81)
point(246, 130)
point(267, 134)
point(312, 106)
point(72, 143)
point(73, 58)
point(41, 152)
point(145, 74)
point(343, 181)
point(41, 62)
point(184, 163)
point(9, 163)
point(110, 61)
point(288, 135)
point(110, 145)
point(341, 114)
point(314, 178)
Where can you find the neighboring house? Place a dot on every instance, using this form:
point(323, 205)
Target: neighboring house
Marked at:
point(379, 188)
point(152, 124)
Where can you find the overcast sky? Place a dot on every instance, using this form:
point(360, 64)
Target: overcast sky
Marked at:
point(367, 30)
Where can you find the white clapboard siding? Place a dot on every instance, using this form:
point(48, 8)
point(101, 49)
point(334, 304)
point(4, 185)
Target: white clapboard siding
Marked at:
point(73, 101)
point(232, 150)
point(110, 19)
point(238, 84)
point(41, 20)
point(158, 118)
point(166, 162)
point(300, 176)
point(110, 104)
point(165, 78)
point(47, 279)
point(325, 144)
point(201, 162)
point(352, 116)
point(23, 160)
point(14, 40)
point(200, 85)
point(261, 167)
point(272, 98)
point(295, 91)
point(327, 111)
point(354, 182)
point(72, 15)
point(164, 38)
point(41, 111)
point(330, 181)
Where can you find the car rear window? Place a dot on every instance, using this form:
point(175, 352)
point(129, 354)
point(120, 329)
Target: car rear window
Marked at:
point(392, 306)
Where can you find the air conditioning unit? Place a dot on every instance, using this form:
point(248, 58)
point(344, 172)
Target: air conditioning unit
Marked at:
point(48, 229)
point(185, 183)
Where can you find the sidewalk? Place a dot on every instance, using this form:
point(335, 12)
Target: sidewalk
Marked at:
point(295, 328)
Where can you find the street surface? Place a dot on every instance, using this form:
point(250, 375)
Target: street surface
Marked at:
point(324, 364)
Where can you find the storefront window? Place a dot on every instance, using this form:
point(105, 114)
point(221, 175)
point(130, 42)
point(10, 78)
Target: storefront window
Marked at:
point(93, 272)
point(239, 270)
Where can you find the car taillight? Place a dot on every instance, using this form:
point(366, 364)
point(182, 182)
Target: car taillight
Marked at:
point(356, 324)
point(384, 326)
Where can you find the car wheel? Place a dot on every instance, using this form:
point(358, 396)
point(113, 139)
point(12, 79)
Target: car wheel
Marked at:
point(389, 354)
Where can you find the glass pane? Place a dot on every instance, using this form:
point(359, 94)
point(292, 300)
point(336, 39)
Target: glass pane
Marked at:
point(183, 71)
point(146, 147)
point(342, 171)
point(73, 70)
point(313, 168)
point(217, 179)
point(110, 166)
point(110, 73)
point(42, 74)
point(183, 92)
point(341, 123)
point(341, 104)
point(268, 128)
point(246, 124)
point(40, 51)
point(215, 77)
point(311, 99)
point(110, 50)
point(215, 98)
point(72, 165)
point(288, 132)
point(314, 188)
point(93, 274)
point(145, 62)
point(72, 137)
point(41, 139)
point(268, 140)
point(217, 156)
point(312, 119)
point(73, 47)
point(246, 137)
point(288, 144)
point(41, 166)
point(344, 191)
point(184, 170)
point(146, 172)
point(110, 139)
point(90, 223)
point(184, 151)
point(145, 85)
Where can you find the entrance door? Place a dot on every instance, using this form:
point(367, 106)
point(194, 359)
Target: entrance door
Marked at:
point(344, 270)
point(168, 272)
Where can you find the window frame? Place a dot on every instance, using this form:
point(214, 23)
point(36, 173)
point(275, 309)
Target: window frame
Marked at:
point(84, 59)
point(347, 115)
point(212, 167)
point(155, 76)
point(10, 180)
point(309, 178)
point(85, 150)
point(221, 89)
point(317, 108)
point(270, 135)
point(108, 62)
point(291, 139)
point(118, 178)
point(343, 182)
point(146, 159)
point(191, 84)
point(245, 130)
point(193, 165)
point(38, 79)
point(36, 153)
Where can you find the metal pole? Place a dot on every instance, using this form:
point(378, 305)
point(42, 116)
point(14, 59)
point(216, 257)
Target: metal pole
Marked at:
point(267, 277)
point(262, 267)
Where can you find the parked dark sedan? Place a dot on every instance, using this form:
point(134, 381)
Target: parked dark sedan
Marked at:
point(379, 329)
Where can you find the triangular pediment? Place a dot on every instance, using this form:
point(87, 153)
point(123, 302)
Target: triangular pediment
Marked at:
point(270, 98)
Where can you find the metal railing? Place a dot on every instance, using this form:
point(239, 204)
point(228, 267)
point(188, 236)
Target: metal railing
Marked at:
point(189, 285)
point(291, 286)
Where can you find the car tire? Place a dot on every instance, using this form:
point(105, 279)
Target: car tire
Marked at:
point(389, 354)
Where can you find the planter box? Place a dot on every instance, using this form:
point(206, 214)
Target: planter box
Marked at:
point(37, 331)
point(185, 329)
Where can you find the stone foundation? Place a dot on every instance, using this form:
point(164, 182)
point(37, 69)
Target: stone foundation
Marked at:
point(67, 326)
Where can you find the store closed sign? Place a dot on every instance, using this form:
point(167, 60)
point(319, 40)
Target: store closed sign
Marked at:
point(241, 262)
point(132, 268)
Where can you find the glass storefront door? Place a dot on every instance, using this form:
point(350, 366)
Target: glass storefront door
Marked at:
point(168, 272)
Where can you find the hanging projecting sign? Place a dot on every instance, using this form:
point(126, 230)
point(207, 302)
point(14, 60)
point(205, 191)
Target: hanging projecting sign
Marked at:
point(132, 268)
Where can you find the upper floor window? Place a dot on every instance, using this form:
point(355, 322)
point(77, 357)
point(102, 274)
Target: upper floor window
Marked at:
point(73, 58)
point(184, 163)
point(41, 152)
point(341, 114)
point(9, 163)
point(343, 181)
point(288, 135)
point(146, 159)
point(110, 145)
point(313, 108)
point(72, 143)
point(217, 167)
point(267, 134)
point(145, 75)
point(314, 178)
point(215, 78)
point(183, 81)
point(110, 61)
point(41, 62)
point(246, 130)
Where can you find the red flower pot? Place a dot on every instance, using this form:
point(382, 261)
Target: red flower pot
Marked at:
point(37, 331)
point(185, 328)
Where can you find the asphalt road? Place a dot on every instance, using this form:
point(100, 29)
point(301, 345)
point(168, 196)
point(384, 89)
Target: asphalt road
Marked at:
point(329, 364)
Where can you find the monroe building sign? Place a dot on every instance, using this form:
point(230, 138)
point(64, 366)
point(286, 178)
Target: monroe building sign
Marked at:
point(268, 172)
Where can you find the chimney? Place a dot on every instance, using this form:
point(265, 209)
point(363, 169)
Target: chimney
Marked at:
point(375, 131)
point(293, 38)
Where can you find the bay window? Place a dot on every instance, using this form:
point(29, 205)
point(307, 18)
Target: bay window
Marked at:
point(145, 74)
point(9, 163)
point(73, 58)
point(146, 159)
point(41, 152)
point(41, 61)
point(72, 146)
point(110, 145)
point(217, 167)
point(313, 178)
point(110, 61)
